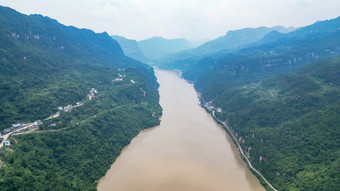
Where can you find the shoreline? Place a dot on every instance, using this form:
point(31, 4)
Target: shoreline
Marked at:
point(240, 150)
point(125, 154)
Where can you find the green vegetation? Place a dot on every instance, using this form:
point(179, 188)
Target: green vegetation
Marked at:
point(291, 125)
point(273, 54)
point(281, 96)
point(43, 65)
point(77, 157)
point(231, 40)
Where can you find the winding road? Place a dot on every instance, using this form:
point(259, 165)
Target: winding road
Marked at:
point(242, 153)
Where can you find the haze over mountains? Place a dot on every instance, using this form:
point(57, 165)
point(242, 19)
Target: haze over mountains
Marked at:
point(277, 88)
point(130, 48)
point(276, 51)
point(157, 47)
point(235, 39)
point(152, 48)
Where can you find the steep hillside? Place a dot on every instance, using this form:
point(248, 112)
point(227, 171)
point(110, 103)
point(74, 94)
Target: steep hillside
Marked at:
point(130, 48)
point(289, 125)
point(45, 65)
point(157, 47)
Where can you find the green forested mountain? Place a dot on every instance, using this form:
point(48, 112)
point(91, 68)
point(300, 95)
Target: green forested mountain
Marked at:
point(237, 38)
point(285, 54)
point(269, 56)
point(43, 62)
point(230, 41)
point(281, 97)
point(130, 48)
point(290, 125)
point(157, 47)
point(43, 65)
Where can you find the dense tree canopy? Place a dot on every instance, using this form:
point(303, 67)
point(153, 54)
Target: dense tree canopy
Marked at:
point(43, 65)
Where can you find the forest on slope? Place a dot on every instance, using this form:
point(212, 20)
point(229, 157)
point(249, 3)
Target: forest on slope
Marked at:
point(43, 65)
point(289, 125)
point(280, 95)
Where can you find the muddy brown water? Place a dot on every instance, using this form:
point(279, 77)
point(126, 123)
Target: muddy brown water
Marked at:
point(188, 151)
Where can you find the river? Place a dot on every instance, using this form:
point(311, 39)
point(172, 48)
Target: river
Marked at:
point(188, 151)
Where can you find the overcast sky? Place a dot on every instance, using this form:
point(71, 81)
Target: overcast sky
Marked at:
point(191, 19)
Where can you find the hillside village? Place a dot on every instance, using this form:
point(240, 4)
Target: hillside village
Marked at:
point(33, 126)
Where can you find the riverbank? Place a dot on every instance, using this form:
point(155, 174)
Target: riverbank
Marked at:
point(239, 148)
point(188, 151)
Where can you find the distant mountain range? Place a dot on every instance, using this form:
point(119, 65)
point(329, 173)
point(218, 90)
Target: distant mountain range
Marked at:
point(157, 47)
point(274, 53)
point(130, 48)
point(235, 39)
point(230, 41)
point(151, 49)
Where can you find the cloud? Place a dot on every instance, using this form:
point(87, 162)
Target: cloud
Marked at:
point(192, 19)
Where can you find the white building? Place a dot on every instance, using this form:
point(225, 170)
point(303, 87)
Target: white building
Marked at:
point(38, 122)
point(68, 108)
point(7, 142)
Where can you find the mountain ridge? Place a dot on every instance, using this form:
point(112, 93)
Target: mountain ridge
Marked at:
point(130, 48)
point(232, 40)
point(158, 46)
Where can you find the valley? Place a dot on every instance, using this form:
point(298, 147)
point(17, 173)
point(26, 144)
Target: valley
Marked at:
point(187, 151)
point(256, 109)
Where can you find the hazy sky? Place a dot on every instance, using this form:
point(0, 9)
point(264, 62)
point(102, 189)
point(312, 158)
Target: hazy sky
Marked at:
point(191, 19)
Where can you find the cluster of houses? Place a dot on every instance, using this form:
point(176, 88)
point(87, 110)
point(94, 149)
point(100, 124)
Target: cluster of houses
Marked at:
point(17, 127)
point(67, 108)
point(209, 105)
point(13, 128)
point(91, 93)
point(37, 123)
point(120, 77)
